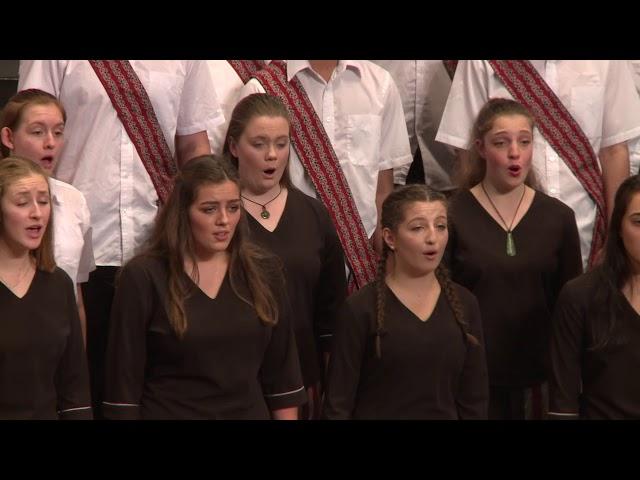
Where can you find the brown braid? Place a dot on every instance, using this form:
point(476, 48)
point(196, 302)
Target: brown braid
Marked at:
point(392, 215)
point(381, 298)
point(442, 274)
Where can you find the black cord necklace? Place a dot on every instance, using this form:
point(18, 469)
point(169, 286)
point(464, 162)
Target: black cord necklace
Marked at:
point(264, 213)
point(511, 245)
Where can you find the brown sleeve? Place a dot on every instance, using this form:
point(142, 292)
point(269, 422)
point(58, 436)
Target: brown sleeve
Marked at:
point(331, 289)
point(280, 374)
point(347, 353)
point(126, 350)
point(72, 375)
point(472, 400)
point(566, 347)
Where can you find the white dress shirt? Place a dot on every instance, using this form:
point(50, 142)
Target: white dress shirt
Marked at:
point(361, 111)
point(599, 94)
point(424, 87)
point(228, 85)
point(72, 245)
point(100, 160)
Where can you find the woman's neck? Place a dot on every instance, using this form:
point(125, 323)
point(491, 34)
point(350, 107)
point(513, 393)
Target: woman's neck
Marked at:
point(411, 283)
point(12, 257)
point(505, 193)
point(262, 196)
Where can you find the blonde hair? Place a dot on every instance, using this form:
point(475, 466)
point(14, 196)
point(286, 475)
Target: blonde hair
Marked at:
point(13, 169)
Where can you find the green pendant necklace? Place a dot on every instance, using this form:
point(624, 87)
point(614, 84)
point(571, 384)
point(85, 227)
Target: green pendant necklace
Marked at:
point(264, 213)
point(511, 245)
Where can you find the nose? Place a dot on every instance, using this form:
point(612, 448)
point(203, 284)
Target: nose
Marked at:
point(36, 211)
point(430, 236)
point(49, 140)
point(271, 152)
point(514, 150)
point(223, 217)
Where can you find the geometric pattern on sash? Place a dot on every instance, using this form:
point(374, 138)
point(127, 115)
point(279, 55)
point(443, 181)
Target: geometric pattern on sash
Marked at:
point(135, 111)
point(247, 68)
point(561, 130)
point(319, 159)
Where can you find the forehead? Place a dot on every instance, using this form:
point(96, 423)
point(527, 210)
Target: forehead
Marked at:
point(261, 124)
point(429, 210)
point(634, 204)
point(217, 192)
point(48, 112)
point(510, 123)
point(31, 183)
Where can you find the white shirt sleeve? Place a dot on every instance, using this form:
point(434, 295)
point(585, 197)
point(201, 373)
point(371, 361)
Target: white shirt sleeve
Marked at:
point(87, 261)
point(621, 117)
point(46, 75)
point(395, 151)
point(199, 107)
point(469, 92)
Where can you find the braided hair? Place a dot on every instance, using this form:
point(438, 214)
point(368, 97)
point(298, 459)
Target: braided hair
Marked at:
point(393, 212)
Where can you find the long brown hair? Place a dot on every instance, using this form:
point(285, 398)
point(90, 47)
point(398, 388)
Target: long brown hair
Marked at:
point(471, 172)
point(608, 302)
point(13, 111)
point(393, 214)
point(252, 270)
point(13, 169)
point(250, 107)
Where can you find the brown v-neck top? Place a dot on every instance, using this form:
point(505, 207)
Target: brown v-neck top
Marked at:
point(308, 245)
point(596, 384)
point(427, 371)
point(228, 365)
point(43, 365)
point(516, 294)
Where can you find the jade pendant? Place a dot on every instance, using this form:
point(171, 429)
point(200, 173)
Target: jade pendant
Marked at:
point(265, 214)
point(511, 245)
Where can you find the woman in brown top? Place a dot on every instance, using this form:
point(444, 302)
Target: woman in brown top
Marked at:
point(409, 346)
point(514, 247)
point(595, 341)
point(43, 367)
point(200, 326)
point(292, 225)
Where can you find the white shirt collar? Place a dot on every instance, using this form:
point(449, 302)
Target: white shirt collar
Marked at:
point(296, 66)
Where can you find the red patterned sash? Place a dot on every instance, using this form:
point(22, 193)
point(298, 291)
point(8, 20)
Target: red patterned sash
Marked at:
point(136, 113)
point(319, 159)
point(450, 66)
point(562, 132)
point(247, 68)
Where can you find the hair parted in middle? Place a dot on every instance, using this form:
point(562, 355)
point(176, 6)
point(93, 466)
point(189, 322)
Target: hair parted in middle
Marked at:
point(253, 272)
point(250, 107)
point(471, 172)
point(393, 214)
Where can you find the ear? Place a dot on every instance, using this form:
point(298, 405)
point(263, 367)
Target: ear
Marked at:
point(389, 238)
point(479, 144)
point(6, 136)
point(233, 147)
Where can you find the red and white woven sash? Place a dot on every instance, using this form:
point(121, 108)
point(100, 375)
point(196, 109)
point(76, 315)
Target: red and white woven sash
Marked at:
point(136, 113)
point(319, 159)
point(247, 68)
point(562, 132)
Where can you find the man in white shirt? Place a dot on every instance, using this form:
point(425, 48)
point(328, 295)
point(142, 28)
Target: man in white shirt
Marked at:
point(101, 161)
point(424, 87)
point(599, 94)
point(360, 109)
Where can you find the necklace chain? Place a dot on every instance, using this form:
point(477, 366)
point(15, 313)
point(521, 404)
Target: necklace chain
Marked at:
point(508, 227)
point(264, 213)
point(20, 277)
